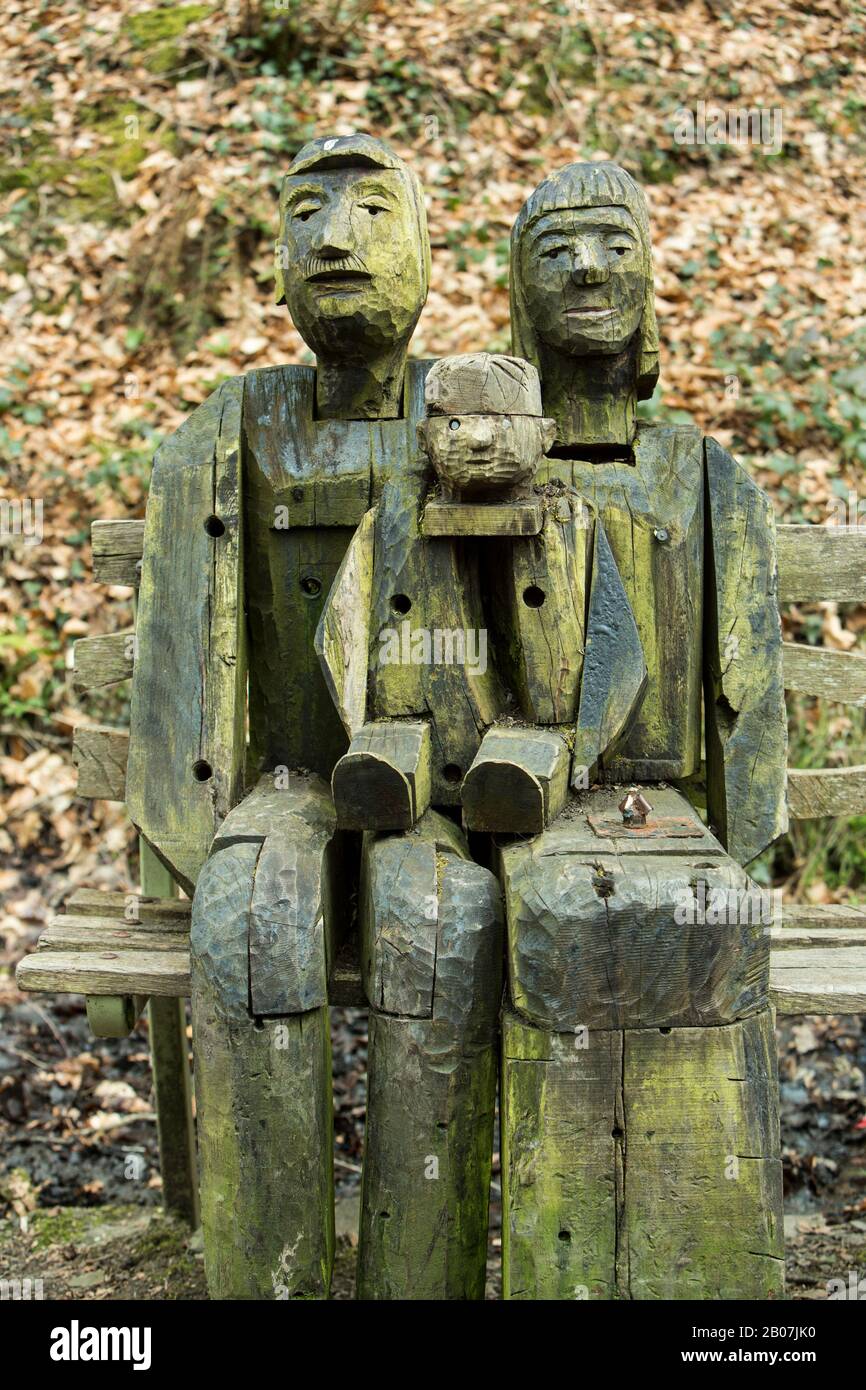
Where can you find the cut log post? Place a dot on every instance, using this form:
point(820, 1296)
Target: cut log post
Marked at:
point(641, 1164)
point(640, 1141)
point(518, 782)
point(383, 782)
point(431, 949)
point(172, 1084)
point(261, 925)
point(114, 1015)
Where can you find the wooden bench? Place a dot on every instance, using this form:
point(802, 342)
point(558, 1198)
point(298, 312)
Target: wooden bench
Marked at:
point(817, 957)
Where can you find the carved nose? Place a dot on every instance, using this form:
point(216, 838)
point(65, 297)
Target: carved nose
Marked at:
point(335, 238)
point(589, 267)
point(480, 434)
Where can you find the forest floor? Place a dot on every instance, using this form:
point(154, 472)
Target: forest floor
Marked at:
point(82, 1190)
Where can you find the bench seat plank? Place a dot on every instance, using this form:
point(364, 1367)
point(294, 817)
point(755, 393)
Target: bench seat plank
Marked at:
point(819, 980)
point(126, 971)
point(821, 564)
point(822, 672)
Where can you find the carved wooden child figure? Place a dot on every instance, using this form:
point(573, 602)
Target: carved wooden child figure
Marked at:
point(544, 670)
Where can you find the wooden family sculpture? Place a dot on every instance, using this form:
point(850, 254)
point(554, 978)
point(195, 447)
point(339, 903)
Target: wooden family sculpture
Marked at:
point(484, 614)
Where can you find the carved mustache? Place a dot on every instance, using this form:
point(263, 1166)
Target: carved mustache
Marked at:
point(318, 267)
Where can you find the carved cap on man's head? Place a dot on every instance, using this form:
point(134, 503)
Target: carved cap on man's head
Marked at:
point(601, 184)
point(357, 151)
point(482, 383)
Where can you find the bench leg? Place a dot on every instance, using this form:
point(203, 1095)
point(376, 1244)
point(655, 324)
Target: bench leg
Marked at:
point(169, 1056)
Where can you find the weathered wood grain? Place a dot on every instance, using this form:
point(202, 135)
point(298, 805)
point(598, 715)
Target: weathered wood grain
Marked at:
point(614, 669)
point(187, 730)
point(790, 938)
point(702, 1174)
point(106, 972)
point(170, 1070)
point(819, 979)
point(839, 676)
point(292, 924)
point(309, 484)
point(166, 912)
point(427, 1163)
point(822, 564)
point(342, 638)
point(264, 1107)
point(103, 661)
point(117, 550)
point(539, 588)
point(744, 701)
point(383, 782)
point(519, 518)
point(559, 1109)
point(652, 510)
point(829, 791)
point(101, 755)
point(604, 941)
point(518, 781)
point(641, 1164)
point(94, 933)
point(809, 916)
point(162, 927)
point(432, 958)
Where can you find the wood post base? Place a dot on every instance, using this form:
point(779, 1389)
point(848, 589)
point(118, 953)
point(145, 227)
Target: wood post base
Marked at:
point(641, 1164)
point(427, 1163)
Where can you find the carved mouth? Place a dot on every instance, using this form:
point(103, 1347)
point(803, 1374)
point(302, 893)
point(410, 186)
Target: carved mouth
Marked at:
point(340, 279)
point(589, 311)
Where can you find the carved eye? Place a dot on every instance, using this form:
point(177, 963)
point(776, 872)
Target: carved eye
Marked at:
point(374, 208)
point(453, 424)
point(304, 211)
point(553, 252)
point(620, 249)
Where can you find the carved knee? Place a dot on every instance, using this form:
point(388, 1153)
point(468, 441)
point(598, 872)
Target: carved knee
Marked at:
point(266, 907)
point(432, 929)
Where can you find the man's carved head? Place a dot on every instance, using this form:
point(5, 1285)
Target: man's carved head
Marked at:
point(353, 254)
point(581, 270)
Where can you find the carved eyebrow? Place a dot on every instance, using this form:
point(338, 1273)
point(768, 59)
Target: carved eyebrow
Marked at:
point(368, 188)
point(307, 190)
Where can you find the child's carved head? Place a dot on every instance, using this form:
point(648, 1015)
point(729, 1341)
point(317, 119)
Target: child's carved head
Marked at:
point(484, 432)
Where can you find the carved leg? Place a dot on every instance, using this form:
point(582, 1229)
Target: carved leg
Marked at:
point(261, 918)
point(641, 1164)
point(383, 782)
point(639, 1097)
point(431, 953)
point(518, 782)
